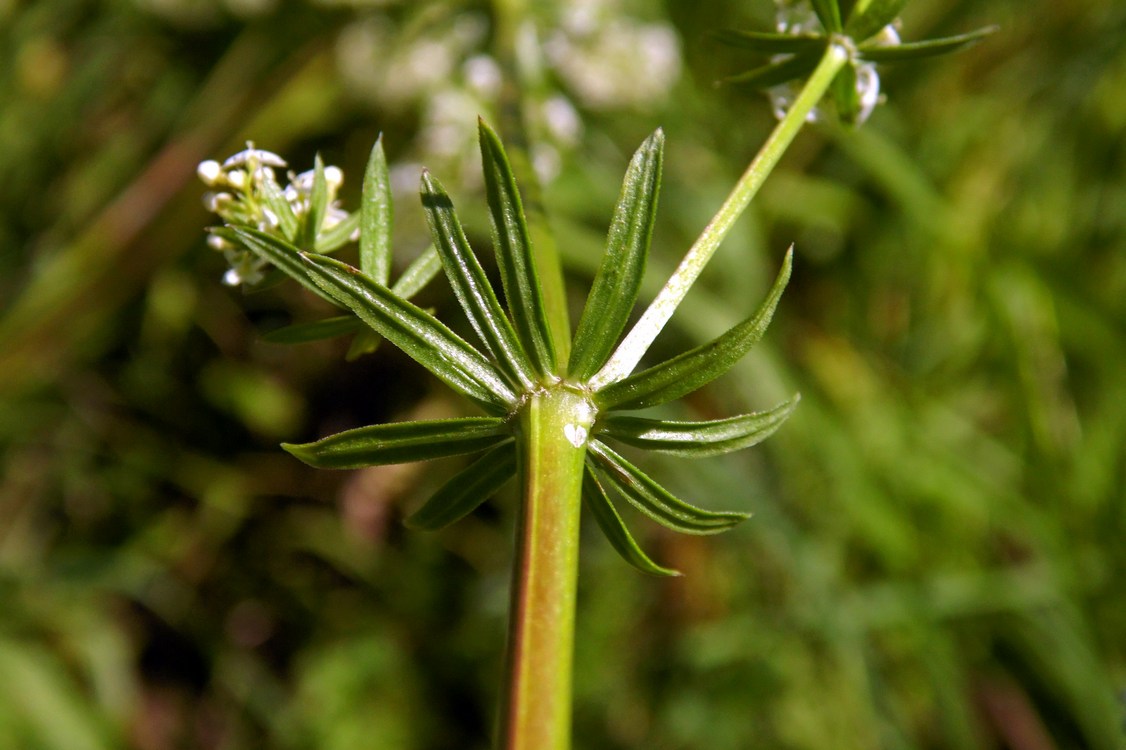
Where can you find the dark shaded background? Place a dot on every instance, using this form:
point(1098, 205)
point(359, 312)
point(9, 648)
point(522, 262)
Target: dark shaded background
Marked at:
point(937, 554)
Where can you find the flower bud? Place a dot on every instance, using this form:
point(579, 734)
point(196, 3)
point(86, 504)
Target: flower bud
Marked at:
point(209, 172)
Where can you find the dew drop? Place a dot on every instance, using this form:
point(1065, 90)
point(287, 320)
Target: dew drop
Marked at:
point(575, 434)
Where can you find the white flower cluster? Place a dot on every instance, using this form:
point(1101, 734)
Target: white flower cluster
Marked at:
point(797, 17)
point(245, 187)
point(611, 60)
point(603, 55)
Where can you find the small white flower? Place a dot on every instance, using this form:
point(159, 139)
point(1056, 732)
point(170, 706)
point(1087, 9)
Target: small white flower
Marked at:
point(209, 172)
point(483, 75)
point(562, 119)
point(216, 202)
point(236, 178)
point(334, 176)
point(301, 183)
point(546, 162)
point(868, 90)
point(291, 193)
point(245, 268)
point(255, 155)
point(334, 214)
point(264, 174)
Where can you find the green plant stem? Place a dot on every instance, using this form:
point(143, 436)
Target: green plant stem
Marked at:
point(637, 342)
point(535, 711)
point(536, 707)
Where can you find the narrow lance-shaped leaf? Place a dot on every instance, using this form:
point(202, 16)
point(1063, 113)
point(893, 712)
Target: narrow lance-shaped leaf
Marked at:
point(918, 50)
point(773, 74)
point(654, 500)
point(274, 199)
point(770, 42)
point(697, 439)
point(419, 334)
point(829, 13)
point(616, 285)
point(338, 236)
point(285, 258)
point(366, 341)
point(317, 330)
point(471, 286)
point(376, 216)
point(318, 204)
point(467, 489)
point(419, 273)
point(612, 525)
point(697, 367)
point(868, 18)
point(514, 254)
point(401, 442)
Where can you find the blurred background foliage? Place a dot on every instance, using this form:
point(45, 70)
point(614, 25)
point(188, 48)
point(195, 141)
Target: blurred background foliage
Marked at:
point(937, 555)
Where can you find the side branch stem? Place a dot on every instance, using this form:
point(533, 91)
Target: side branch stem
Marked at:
point(637, 342)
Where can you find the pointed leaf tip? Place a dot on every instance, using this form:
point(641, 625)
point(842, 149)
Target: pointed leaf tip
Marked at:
point(909, 51)
point(829, 13)
point(376, 217)
point(698, 439)
point(472, 288)
point(615, 529)
point(515, 259)
point(318, 205)
point(618, 280)
point(654, 500)
point(419, 334)
point(400, 442)
point(697, 367)
point(868, 19)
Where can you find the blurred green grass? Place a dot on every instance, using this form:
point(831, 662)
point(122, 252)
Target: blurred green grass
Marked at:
point(936, 559)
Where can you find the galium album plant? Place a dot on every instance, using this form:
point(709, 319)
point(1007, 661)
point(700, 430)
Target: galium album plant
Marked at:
point(552, 406)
